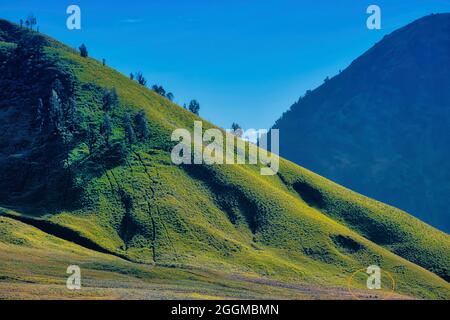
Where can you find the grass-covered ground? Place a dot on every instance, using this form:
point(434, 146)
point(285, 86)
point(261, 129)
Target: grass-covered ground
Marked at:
point(170, 231)
point(34, 267)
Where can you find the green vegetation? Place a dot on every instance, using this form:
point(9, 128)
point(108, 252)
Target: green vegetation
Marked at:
point(83, 51)
point(34, 267)
point(194, 107)
point(186, 231)
point(237, 129)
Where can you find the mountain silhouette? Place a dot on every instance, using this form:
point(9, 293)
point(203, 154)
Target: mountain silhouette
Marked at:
point(382, 126)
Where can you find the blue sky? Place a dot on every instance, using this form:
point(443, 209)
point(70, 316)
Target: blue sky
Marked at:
point(245, 61)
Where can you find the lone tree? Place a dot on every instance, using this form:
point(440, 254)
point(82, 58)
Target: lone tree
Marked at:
point(83, 51)
point(104, 62)
point(106, 128)
point(194, 107)
point(131, 76)
point(141, 79)
point(170, 96)
point(237, 130)
point(142, 125)
point(110, 99)
point(131, 135)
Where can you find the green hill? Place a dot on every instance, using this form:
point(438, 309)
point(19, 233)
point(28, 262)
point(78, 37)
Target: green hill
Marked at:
point(127, 215)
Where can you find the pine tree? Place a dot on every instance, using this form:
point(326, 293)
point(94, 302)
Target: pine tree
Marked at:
point(106, 129)
point(141, 79)
point(55, 110)
point(83, 51)
point(159, 90)
point(237, 130)
point(91, 137)
point(71, 116)
point(110, 99)
point(31, 21)
point(194, 107)
point(131, 135)
point(142, 125)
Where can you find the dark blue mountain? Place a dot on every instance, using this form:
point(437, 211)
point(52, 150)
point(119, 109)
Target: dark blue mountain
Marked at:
point(382, 126)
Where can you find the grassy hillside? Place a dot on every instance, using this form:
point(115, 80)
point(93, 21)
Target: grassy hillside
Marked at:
point(34, 267)
point(65, 188)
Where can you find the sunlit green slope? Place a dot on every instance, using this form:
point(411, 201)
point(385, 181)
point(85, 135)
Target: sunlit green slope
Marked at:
point(133, 203)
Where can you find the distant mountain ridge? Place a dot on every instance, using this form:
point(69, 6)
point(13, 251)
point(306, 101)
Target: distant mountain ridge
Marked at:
point(382, 126)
